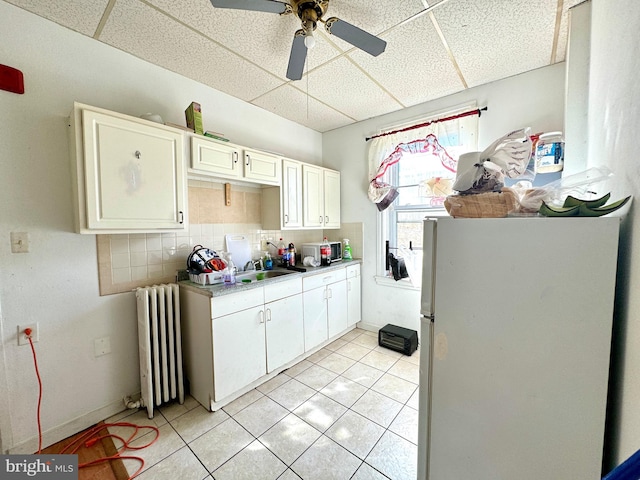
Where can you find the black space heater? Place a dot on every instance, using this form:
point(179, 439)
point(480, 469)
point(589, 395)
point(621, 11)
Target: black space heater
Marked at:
point(400, 339)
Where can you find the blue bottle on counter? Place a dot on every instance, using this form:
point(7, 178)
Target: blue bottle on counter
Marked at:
point(268, 262)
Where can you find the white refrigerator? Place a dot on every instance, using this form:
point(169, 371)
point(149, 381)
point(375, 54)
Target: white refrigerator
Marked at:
point(515, 342)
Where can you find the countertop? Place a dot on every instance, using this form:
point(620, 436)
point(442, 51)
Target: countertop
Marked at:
point(219, 290)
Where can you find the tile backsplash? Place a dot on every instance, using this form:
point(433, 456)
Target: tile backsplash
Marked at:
point(126, 262)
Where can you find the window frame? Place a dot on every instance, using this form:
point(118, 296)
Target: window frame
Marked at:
point(387, 219)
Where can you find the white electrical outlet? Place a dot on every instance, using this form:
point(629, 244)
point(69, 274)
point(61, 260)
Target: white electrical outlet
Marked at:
point(22, 337)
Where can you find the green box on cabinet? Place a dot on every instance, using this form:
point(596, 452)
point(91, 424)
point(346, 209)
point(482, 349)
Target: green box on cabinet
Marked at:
point(194, 118)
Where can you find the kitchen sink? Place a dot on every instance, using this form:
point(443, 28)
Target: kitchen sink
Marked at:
point(264, 274)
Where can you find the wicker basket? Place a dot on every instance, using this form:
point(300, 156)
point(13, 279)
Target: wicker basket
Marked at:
point(482, 205)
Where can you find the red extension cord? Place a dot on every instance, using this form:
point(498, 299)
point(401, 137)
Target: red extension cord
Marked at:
point(90, 437)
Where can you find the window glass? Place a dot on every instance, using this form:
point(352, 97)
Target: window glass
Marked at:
point(424, 177)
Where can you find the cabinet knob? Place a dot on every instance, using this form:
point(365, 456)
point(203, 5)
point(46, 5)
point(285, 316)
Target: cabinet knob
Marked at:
point(261, 316)
point(268, 314)
point(286, 218)
point(326, 219)
point(137, 154)
point(235, 157)
point(181, 221)
point(248, 159)
point(320, 218)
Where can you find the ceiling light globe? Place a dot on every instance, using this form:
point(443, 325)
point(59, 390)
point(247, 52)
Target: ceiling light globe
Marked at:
point(309, 41)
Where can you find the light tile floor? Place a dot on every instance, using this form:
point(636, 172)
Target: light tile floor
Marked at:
point(350, 411)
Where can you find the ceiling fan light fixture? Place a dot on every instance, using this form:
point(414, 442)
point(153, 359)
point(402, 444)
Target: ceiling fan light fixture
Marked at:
point(309, 40)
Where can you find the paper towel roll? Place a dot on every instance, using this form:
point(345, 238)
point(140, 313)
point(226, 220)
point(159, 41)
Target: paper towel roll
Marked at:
point(310, 262)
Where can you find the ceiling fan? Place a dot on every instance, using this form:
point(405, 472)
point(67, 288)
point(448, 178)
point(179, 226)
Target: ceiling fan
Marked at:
point(310, 12)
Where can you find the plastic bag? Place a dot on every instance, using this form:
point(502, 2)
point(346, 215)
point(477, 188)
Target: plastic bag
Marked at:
point(413, 262)
point(398, 267)
point(480, 172)
point(585, 185)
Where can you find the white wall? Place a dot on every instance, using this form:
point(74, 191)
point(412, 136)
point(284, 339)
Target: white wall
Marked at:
point(534, 99)
point(56, 284)
point(614, 122)
point(576, 127)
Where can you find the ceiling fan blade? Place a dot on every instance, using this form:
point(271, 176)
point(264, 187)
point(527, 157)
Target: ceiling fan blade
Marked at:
point(298, 56)
point(355, 36)
point(270, 6)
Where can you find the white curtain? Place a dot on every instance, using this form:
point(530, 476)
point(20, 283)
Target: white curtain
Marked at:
point(381, 148)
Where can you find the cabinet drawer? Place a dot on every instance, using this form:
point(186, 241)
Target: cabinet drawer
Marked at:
point(278, 290)
point(321, 279)
point(235, 302)
point(353, 271)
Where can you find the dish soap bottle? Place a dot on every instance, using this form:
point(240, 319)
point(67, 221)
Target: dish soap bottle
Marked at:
point(325, 253)
point(346, 254)
point(268, 262)
point(229, 273)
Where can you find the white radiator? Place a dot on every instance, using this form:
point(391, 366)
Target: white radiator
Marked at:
point(159, 345)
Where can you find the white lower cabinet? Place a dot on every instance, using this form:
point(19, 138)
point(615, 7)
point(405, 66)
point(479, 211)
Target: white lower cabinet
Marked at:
point(325, 306)
point(284, 325)
point(354, 295)
point(239, 350)
point(337, 307)
point(232, 341)
point(315, 317)
point(285, 331)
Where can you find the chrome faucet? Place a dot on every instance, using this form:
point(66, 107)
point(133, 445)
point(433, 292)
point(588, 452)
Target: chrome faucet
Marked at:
point(254, 265)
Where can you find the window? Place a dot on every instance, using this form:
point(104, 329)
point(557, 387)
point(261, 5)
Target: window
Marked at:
point(423, 176)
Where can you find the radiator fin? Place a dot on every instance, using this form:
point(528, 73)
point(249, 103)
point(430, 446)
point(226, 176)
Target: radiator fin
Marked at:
point(159, 345)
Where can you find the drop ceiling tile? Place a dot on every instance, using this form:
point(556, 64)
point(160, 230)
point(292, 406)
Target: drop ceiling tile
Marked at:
point(297, 106)
point(262, 38)
point(149, 34)
point(345, 87)
point(563, 34)
point(524, 41)
point(373, 17)
point(415, 67)
point(80, 15)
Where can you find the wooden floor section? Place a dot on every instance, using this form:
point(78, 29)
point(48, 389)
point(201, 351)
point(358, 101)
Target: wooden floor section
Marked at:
point(113, 470)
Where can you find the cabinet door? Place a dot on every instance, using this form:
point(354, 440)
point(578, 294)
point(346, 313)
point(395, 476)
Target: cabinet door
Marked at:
point(315, 317)
point(215, 157)
point(313, 196)
point(261, 167)
point(331, 199)
point(337, 307)
point(354, 300)
point(285, 331)
point(291, 194)
point(134, 175)
point(239, 353)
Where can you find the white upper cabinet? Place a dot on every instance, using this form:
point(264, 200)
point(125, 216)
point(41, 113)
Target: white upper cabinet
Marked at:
point(313, 194)
point(226, 160)
point(128, 173)
point(261, 167)
point(222, 159)
point(291, 194)
point(321, 197)
point(331, 182)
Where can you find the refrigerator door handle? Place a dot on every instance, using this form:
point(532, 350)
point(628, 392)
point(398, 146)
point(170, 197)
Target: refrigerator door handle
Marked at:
point(429, 241)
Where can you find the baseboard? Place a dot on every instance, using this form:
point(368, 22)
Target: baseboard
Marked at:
point(68, 429)
point(369, 326)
